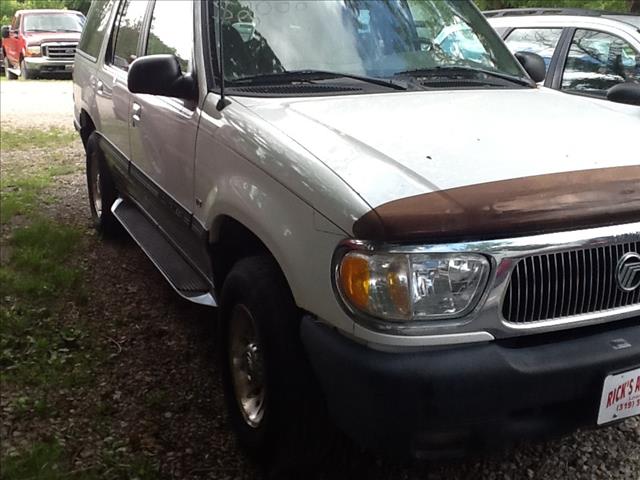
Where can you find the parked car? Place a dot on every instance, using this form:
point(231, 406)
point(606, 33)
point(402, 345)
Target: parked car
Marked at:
point(586, 52)
point(41, 42)
point(386, 241)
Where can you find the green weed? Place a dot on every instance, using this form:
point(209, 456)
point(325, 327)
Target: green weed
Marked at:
point(43, 461)
point(22, 195)
point(28, 138)
point(38, 266)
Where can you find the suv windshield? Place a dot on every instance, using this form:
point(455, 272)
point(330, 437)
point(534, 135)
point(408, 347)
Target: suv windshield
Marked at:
point(53, 22)
point(369, 38)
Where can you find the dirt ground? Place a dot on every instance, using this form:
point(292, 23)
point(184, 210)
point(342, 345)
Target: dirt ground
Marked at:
point(155, 399)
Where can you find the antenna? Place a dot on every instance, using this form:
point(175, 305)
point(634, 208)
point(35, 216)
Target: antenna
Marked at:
point(223, 102)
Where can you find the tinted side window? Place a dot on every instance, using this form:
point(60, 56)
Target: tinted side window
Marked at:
point(597, 61)
point(96, 27)
point(127, 33)
point(542, 41)
point(172, 30)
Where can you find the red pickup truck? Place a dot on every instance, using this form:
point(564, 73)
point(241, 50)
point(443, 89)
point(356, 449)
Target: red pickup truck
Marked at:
point(41, 42)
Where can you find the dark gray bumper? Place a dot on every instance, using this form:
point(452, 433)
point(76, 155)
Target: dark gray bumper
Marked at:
point(449, 401)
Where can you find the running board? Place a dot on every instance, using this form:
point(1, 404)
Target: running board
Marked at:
point(184, 279)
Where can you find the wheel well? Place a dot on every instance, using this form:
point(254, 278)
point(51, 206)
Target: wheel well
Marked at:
point(87, 127)
point(233, 242)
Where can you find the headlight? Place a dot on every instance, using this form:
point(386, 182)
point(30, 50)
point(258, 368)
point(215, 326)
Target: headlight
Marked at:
point(402, 287)
point(33, 51)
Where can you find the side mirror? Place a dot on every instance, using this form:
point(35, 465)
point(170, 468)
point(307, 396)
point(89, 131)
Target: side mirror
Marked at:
point(533, 64)
point(160, 75)
point(627, 92)
point(5, 31)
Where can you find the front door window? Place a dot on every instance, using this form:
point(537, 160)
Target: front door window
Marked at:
point(597, 61)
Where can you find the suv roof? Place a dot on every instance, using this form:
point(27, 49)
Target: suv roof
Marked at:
point(628, 18)
point(508, 12)
point(46, 10)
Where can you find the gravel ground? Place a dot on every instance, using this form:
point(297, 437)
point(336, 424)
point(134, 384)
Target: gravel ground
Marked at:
point(36, 103)
point(160, 390)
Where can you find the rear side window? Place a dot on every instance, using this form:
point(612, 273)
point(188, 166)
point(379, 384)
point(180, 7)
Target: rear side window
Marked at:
point(542, 41)
point(172, 31)
point(127, 33)
point(96, 28)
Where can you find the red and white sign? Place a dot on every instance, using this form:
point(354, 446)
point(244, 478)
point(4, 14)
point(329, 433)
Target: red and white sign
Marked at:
point(620, 397)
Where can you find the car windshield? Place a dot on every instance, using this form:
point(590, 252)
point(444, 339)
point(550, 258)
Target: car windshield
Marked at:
point(56, 22)
point(369, 38)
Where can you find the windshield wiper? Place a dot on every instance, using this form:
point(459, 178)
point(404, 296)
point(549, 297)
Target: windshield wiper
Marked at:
point(309, 76)
point(444, 71)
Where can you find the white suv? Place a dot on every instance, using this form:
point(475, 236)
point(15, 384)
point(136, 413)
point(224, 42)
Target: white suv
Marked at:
point(586, 52)
point(362, 198)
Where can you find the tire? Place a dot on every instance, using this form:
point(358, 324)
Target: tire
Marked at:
point(102, 190)
point(289, 431)
point(25, 73)
point(8, 74)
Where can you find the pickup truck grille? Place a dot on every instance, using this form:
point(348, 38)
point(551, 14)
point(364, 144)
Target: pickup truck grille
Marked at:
point(567, 284)
point(59, 51)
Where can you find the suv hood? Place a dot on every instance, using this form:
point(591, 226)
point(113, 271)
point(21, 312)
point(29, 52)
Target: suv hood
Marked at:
point(36, 38)
point(395, 147)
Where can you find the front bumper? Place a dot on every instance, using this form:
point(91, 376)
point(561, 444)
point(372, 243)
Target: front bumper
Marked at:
point(47, 65)
point(449, 401)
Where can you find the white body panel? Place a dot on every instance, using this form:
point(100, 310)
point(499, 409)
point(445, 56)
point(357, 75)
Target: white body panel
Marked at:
point(391, 146)
point(255, 180)
point(301, 202)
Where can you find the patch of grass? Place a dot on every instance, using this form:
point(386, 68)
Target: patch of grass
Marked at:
point(27, 138)
point(28, 407)
point(35, 353)
point(38, 265)
point(21, 195)
point(34, 350)
point(43, 461)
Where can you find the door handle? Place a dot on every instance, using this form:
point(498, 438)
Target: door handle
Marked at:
point(136, 113)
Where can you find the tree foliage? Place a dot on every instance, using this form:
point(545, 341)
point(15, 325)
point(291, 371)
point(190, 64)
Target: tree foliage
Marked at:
point(609, 5)
point(8, 7)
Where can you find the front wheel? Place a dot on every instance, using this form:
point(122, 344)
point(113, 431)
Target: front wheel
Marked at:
point(273, 402)
point(101, 189)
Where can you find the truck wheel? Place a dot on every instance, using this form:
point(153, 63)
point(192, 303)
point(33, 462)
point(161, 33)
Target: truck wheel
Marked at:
point(25, 73)
point(272, 399)
point(102, 191)
point(9, 75)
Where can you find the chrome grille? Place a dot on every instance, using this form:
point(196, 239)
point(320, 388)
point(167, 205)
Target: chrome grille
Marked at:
point(59, 51)
point(567, 284)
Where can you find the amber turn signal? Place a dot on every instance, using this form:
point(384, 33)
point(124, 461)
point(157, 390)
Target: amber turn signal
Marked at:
point(354, 279)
